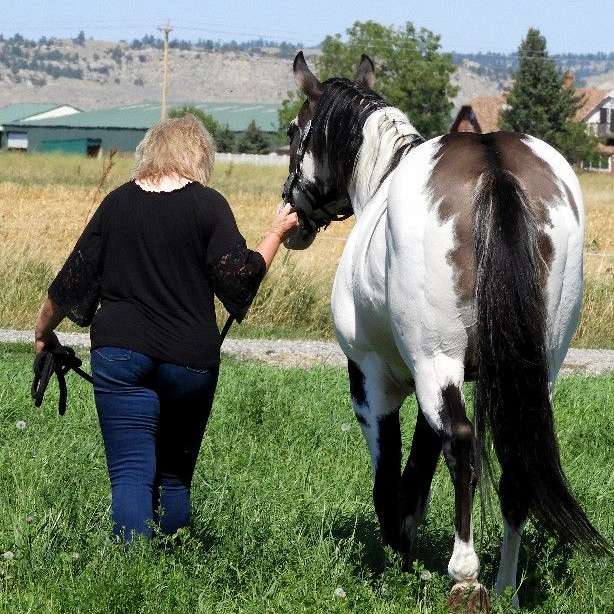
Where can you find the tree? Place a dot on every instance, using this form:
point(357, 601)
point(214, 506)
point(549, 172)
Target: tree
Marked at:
point(222, 135)
point(225, 140)
point(411, 72)
point(80, 40)
point(541, 104)
point(253, 140)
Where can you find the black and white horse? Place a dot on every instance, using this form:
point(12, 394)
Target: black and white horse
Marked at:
point(465, 264)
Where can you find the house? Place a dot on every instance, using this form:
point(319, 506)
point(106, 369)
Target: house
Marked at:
point(597, 112)
point(480, 115)
point(12, 113)
point(122, 128)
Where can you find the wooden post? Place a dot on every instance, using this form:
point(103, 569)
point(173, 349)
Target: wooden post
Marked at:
point(166, 30)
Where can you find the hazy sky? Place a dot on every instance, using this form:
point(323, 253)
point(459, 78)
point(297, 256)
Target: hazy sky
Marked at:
point(468, 25)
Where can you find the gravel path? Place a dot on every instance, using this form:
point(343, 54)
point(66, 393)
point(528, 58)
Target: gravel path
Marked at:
point(289, 353)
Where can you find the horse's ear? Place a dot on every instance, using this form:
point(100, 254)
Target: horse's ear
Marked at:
point(305, 80)
point(366, 71)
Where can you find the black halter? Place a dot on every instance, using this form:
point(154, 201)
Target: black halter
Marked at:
point(320, 216)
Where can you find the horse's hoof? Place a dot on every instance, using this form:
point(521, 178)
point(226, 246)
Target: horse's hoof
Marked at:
point(469, 598)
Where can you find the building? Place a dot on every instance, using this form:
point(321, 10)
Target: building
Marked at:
point(13, 113)
point(482, 115)
point(597, 113)
point(122, 128)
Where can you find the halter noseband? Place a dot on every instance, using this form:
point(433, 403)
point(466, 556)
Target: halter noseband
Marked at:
point(319, 217)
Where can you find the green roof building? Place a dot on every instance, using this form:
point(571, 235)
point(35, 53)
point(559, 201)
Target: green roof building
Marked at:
point(122, 128)
point(24, 111)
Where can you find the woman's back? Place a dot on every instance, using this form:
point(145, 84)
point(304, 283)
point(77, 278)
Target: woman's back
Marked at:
point(159, 258)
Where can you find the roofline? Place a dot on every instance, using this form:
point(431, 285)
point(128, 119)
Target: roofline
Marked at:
point(24, 125)
point(593, 109)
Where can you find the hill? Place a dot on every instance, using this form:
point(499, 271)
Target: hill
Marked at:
point(90, 74)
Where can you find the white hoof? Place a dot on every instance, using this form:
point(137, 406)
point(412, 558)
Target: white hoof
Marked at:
point(469, 598)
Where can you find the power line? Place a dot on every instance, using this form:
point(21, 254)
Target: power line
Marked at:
point(166, 30)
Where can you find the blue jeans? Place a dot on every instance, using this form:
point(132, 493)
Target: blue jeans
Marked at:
point(153, 417)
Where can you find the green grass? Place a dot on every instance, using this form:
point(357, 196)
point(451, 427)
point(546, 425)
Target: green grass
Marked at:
point(283, 515)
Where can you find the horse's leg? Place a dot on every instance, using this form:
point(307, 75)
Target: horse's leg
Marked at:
point(439, 391)
point(417, 476)
point(376, 405)
point(514, 507)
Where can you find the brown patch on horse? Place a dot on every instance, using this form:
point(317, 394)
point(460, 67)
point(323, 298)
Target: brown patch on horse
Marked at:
point(459, 164)
point(460, 161)
point(546, 253)
point(572, 202)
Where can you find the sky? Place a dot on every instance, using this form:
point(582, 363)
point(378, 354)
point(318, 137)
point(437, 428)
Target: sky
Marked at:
point(464, 26)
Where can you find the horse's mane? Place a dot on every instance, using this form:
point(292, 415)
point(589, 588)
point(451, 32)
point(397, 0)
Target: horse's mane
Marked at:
point(337, 128)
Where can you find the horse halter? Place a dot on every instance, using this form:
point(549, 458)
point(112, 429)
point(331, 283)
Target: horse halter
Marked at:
point(318, 217)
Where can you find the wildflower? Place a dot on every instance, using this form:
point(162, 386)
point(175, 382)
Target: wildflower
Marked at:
point(345, 427)
point(340, 593)
point(20, 424)
point(8, 555)
point(426, 575)
point(29, 519)
point(76, 556)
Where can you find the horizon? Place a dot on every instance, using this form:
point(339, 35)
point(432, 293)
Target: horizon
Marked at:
point(567, 26)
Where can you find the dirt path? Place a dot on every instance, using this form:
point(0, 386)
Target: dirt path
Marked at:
point(288, 353)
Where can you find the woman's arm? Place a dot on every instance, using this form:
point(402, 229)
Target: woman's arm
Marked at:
point(284, 223)
point(49, 316)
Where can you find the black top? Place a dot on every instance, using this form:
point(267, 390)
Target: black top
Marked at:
point(153, 261)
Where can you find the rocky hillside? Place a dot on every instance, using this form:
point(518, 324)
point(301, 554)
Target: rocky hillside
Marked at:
point(91, 74)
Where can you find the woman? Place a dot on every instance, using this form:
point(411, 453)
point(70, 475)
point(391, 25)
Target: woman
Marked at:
point(153, 255)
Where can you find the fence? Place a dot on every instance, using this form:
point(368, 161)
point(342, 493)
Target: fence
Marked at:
point(271, 159)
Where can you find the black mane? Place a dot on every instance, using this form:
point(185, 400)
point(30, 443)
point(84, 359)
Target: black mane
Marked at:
point(337, 127)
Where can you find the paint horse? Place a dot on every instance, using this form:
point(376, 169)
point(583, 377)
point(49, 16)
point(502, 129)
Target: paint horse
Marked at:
point(464, 264)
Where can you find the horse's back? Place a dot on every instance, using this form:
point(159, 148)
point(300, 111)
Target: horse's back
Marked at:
point(432, 249)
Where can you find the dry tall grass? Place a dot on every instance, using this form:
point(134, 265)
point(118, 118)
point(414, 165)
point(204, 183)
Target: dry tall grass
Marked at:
point(45, 199)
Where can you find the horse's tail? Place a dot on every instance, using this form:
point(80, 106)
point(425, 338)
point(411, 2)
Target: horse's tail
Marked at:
point(512, 401)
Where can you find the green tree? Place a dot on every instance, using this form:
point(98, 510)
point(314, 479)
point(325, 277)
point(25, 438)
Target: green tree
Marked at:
point(223, 137)
point(253, 140)
point(225, 140)
point(411, 71)
point(542, 105)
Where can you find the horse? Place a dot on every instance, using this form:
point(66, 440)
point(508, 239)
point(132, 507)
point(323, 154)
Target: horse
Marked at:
point(464, 265)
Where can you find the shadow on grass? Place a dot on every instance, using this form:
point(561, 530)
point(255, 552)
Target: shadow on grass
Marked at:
point(432, 547)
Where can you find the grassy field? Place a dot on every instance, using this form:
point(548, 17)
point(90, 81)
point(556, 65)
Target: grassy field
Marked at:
point(46, 199)
point(283, 513)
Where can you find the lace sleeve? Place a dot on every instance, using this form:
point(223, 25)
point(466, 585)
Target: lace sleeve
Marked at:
point(76, 288)
point(236, 277)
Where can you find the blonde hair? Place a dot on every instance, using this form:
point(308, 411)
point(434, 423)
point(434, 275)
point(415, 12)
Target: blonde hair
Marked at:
point(179, 146)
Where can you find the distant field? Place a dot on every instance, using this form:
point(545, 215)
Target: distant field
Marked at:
point(46, 199)
point(282, 509)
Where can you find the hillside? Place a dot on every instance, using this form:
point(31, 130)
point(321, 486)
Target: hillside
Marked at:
point(91, 74)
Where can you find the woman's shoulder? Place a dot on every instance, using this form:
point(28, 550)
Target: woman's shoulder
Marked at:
point(208, 193)
point(120, 193)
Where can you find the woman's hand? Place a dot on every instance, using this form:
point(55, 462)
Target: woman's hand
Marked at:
point(285, 221)
point(49, 316)
point(49, 342)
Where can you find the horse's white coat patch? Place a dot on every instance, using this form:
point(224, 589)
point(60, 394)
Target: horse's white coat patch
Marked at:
point(565, 278)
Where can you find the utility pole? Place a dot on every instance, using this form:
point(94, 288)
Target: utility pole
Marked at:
point(166, 30)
